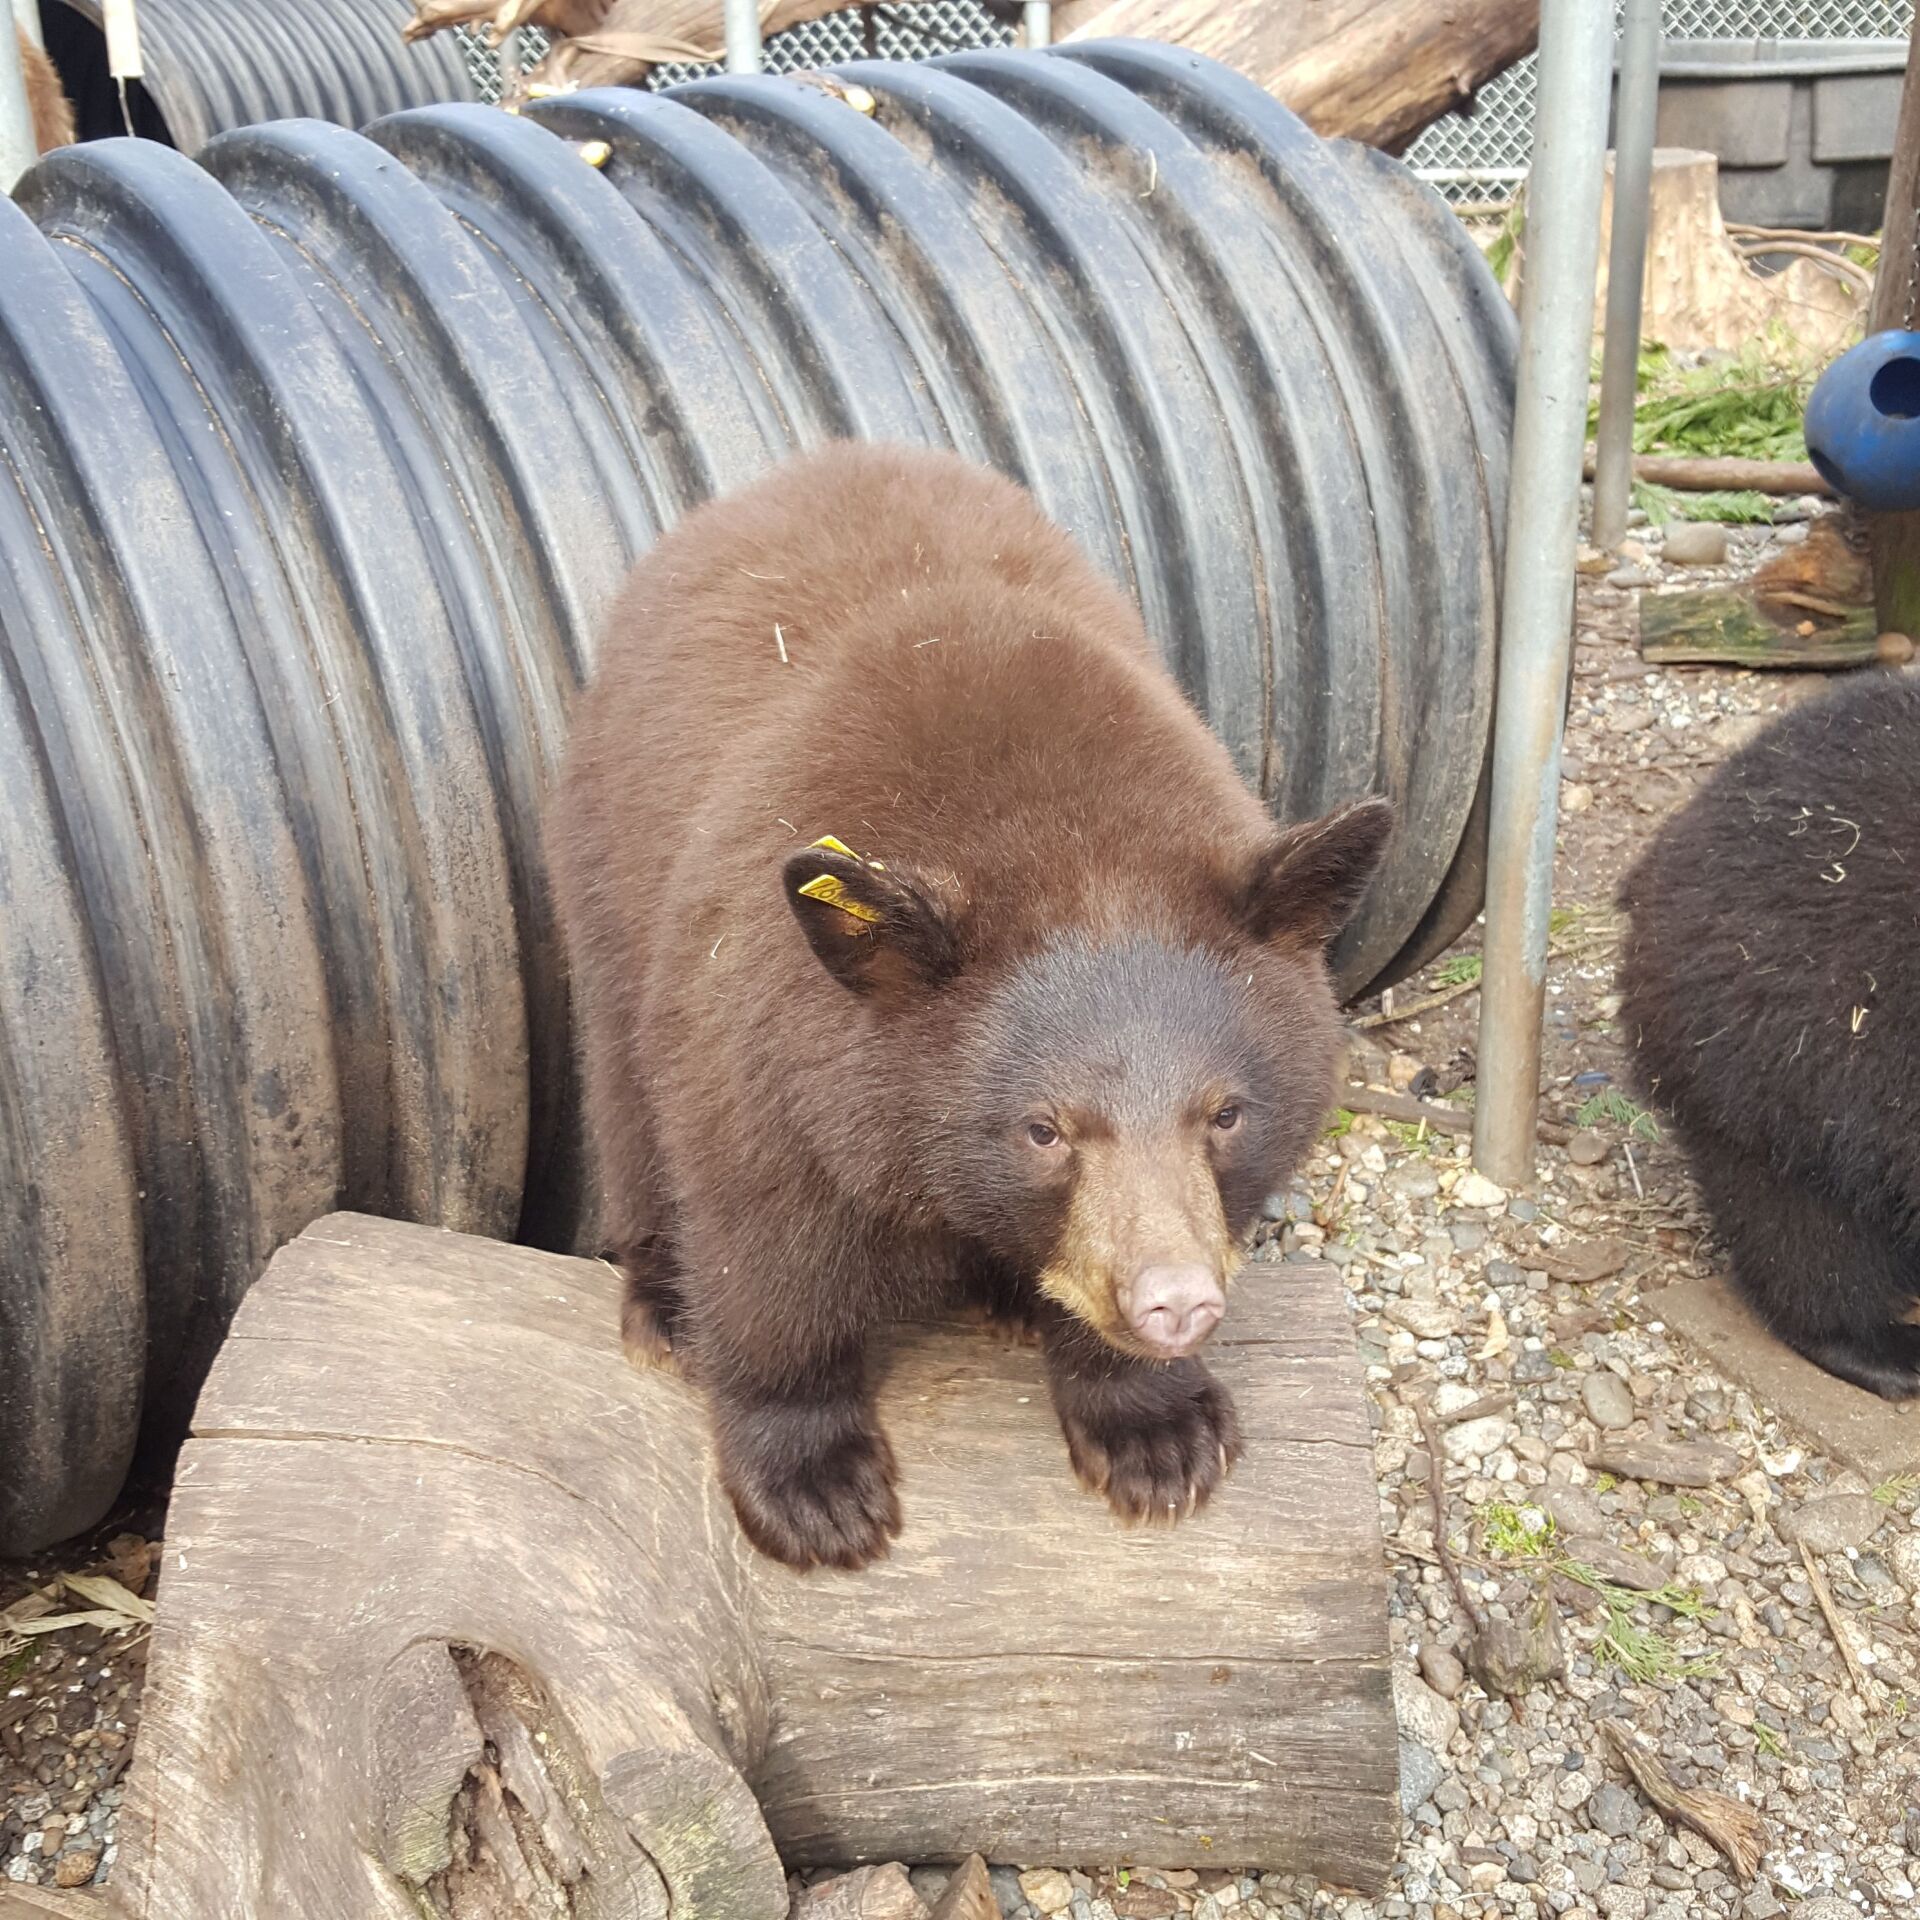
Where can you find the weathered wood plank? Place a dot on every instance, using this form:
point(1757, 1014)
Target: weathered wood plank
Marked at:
point(429, 1514)
point(1726, 626)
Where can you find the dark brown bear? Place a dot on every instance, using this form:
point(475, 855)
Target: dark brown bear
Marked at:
point(927, 946)
point(1772, 998)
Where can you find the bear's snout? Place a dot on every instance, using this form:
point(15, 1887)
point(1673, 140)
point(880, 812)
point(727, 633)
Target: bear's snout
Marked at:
point(1173, 1308)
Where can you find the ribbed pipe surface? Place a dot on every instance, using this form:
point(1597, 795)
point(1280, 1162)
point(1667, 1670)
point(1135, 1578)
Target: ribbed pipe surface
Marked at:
point(213, 65)
point(322, 455)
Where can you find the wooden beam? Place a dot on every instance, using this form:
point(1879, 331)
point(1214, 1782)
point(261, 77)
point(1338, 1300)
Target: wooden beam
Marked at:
point(1372, 70)
point(454, 1604)
point(1896, 300)
point(1691, 473)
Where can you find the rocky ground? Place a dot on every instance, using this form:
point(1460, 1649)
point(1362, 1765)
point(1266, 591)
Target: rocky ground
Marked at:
point(1700, 1574)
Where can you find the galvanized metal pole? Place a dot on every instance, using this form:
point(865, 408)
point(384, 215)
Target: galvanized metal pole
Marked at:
point(1543, 519)
point(1039, 23)
point(743, 36)
point(1633, 126)
point(18, 148)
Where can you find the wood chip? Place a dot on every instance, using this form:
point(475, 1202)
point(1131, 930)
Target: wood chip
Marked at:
point(969, 1894)
point(1841, 1638)
point(1584, 1263)
point(1738, 1831)
point(1682, 1463)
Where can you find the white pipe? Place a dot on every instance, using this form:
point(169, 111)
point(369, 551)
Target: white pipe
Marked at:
point(743, 36)
point(1633, 131)
point(18, 148)
point(27, 12)
point(1039, 23)
point(1543, 522)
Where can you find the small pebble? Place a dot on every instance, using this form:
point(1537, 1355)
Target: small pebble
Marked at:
point(1608, 1401)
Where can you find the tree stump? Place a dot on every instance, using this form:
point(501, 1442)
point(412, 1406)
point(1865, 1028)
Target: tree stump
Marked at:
point(456, 1620)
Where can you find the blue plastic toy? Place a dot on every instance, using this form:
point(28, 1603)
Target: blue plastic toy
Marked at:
point(1863, 423)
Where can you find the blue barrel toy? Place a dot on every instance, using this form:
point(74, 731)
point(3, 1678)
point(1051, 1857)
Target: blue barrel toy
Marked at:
point(1863, 423)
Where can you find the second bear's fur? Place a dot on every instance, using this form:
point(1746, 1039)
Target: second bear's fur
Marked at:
point(927, 945)
point(1771, 995)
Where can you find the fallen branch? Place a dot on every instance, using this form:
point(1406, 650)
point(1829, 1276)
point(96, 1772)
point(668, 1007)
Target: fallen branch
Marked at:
point(1506, 1660)
point(1688, 473)
point(1488, 1403)
point(1415, 1008)
point(1834, 263)
point(1824, 1594)
point(1738, 1831)
point(1404, 1107)
point(1742, 231)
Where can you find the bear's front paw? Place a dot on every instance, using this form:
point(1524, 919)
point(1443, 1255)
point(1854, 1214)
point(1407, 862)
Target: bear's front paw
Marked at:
point(1157, 1455)
point(812, 1486)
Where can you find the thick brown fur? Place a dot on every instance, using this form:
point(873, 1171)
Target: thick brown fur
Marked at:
point(1062, 1014)
point(46, 98)
point(1771, 995)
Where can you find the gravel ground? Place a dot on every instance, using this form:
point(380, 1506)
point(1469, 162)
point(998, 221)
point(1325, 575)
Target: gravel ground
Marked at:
point(1687, 1611)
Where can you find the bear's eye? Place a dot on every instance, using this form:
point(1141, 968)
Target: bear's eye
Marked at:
point(1227, 1119)
point(1043, 1135)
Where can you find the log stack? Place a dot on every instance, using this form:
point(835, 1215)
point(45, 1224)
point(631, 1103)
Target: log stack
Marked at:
point(1371, 70)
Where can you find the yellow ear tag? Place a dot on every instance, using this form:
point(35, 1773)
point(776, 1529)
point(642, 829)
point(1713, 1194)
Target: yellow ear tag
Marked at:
point(836, 846)
point(830, 890)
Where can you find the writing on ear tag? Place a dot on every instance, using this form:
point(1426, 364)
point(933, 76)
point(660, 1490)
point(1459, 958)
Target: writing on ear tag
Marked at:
point(830, 890)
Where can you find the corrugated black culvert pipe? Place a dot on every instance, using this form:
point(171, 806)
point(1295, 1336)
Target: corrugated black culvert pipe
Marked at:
point(212, 65)
point(322, 454)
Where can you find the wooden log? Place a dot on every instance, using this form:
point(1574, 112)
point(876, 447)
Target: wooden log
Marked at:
point(1373, 70)
point(455, 1619)
point(1701, 290)
point(1698, 473)
point(1730, 627)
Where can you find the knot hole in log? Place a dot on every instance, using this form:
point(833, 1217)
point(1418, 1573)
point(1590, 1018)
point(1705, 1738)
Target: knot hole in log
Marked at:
point(487, 1806)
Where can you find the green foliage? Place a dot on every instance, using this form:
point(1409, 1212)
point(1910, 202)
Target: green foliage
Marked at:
point(1744, 508)
point(1768, 1740)
point(1613, 1106)
point(1745, 405)
point(1891, 1492)
point(1500, 250)
point(1462, 970)
point(1517, 1533)
point(1340, 1122)
point(1643, 1653)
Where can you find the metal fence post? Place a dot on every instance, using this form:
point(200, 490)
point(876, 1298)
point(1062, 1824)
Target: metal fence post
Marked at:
point(1039, 23)
point(18, 148)
point(1543, 518)
point(743, 36)
point(1633, 134)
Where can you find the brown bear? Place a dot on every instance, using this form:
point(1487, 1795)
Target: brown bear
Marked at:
point(1771, 997)
point(926, 946)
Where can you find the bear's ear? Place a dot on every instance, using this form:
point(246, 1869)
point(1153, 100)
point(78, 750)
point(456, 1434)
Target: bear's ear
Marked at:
point(876, 930)
point(1306, 882)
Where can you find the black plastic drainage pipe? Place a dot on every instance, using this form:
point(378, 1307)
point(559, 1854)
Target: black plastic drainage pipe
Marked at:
point(212, 65)
point(320, 456)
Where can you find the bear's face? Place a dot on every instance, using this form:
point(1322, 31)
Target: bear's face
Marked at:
point(1112, 1109)
point(1118, 1112)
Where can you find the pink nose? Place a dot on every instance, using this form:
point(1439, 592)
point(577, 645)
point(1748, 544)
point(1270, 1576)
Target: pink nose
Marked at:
point(1173, 1309)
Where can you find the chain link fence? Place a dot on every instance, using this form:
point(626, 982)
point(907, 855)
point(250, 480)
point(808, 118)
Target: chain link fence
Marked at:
point(1476, 156)
point(1483, 155)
